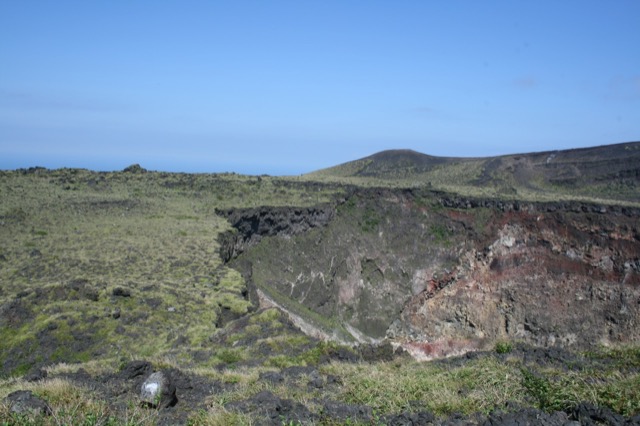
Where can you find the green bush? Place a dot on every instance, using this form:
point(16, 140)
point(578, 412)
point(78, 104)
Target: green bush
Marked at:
point(503, 347)
point(229, 356)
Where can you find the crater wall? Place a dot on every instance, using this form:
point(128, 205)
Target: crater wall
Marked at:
point(442, 274)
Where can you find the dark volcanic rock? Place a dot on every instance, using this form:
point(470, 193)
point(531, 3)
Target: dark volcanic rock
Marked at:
point(272, 376)
point(135, 369)
point(589, 414)
point(81, 288)
point(410, 419)
point(254, 224)
point(36, 375)
point(381, 352)
point(346, 412)
point(13, 313)
point(273, 410)
point(121, 292)
point(25, 402)
point(527, 416)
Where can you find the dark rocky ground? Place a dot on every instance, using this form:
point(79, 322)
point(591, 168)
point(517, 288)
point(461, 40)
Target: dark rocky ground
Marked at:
point(194, 393)
point(197, 391)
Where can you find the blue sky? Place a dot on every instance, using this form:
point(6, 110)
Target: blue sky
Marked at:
point(288, 87)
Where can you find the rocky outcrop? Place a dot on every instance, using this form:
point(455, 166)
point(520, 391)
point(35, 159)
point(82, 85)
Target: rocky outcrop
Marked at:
point(358, 270)
point(569, 279)
point(443, 274)
point(251, 225)
point(24, 402)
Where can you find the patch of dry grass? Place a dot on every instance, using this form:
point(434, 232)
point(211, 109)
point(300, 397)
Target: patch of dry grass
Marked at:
point(71, 405)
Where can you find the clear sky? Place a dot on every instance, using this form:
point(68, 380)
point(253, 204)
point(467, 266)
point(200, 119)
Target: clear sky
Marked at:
point(288, 87)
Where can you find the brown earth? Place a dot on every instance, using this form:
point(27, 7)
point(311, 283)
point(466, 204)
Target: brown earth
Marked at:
point(545, 277)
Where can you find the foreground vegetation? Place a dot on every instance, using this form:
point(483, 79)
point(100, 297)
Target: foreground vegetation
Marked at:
point(129, 260)
point(489, 381)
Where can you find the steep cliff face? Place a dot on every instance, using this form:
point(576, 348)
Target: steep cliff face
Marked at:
point(252, 224)
point(441, 274)
point(548, 278)
point(358, 270)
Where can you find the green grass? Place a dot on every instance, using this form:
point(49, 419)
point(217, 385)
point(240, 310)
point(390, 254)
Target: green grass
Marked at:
point(153, 234)
point(479, 385)
point(624, 356)
point(484, 384)
point(393, 387)
point(503, 347)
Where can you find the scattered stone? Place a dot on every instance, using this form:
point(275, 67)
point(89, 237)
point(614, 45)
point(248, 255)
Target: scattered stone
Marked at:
point(527, 416)
point(116, 313)
point(316, 380)
point(153, 302)
point(346, 412)
point(121, 292)
point(36, 375)
point(181, 341)
point(25, 402)
point(23, 293)
point(171, 309)
point(275, 410)
point(635, 420)
point(381, 352)
point(91, 294)
point(410, 419)
point(158, 391)
point(341, 353)
point(332, 379)
point(589, 414)
point(297, 370)
point(272, 376)
point(14, 313)
point(135, 369)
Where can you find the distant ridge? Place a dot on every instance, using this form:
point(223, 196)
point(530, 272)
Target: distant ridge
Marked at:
point(403, 158)
point(389, 164)
point(609, 171)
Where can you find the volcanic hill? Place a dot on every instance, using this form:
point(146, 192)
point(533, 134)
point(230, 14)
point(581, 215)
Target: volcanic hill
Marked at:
point(608, 172)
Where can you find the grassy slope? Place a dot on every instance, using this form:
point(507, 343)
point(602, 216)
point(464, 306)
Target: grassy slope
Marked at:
point(69, 238)
point(605, 174)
